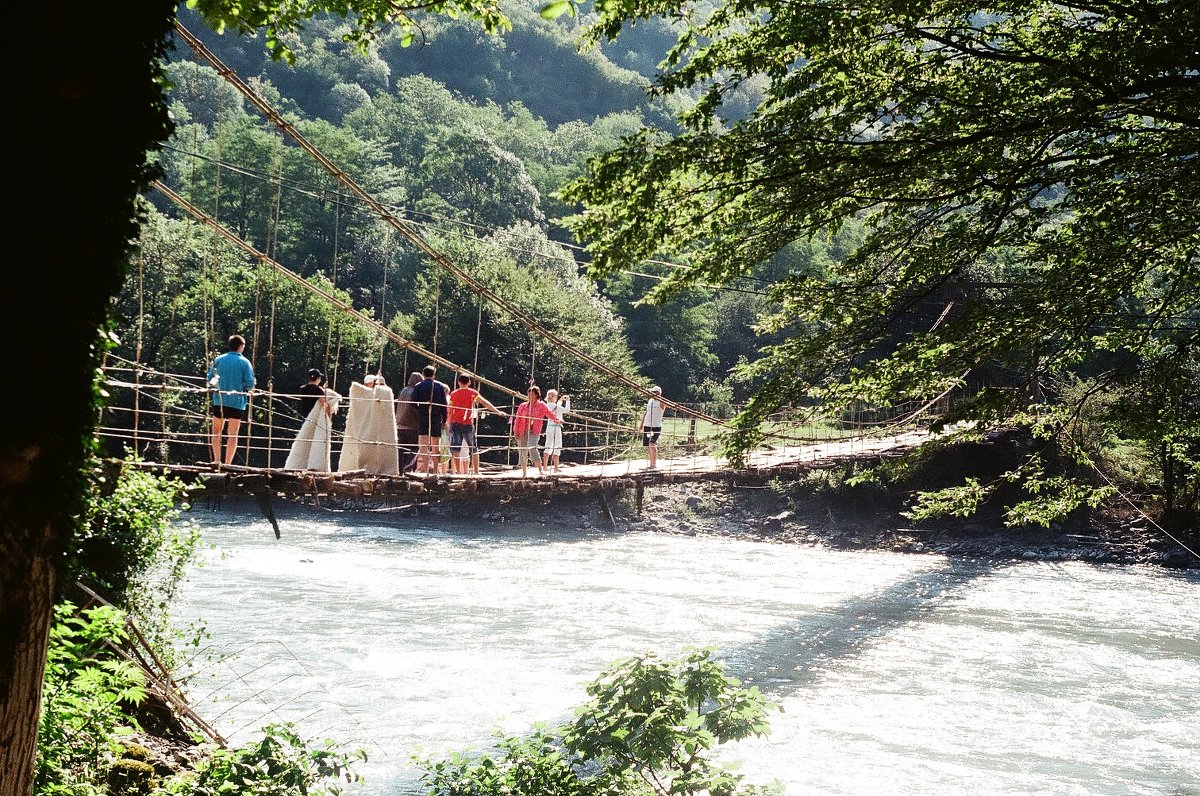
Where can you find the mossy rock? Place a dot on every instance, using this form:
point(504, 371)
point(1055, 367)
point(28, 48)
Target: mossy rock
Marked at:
point(131, 778)
point(135, 751)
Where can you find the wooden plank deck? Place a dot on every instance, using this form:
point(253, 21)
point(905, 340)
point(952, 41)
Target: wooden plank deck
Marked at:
point(263, 482)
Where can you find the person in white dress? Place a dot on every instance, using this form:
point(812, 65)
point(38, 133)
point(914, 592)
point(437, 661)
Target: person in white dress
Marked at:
point(370, 440)
point(311, 448)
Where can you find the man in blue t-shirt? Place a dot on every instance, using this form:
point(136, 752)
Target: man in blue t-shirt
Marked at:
point(230, 379)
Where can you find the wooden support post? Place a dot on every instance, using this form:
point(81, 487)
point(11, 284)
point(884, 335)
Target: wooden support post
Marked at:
point(264, 504)
point(639, 492)
point(607, 511)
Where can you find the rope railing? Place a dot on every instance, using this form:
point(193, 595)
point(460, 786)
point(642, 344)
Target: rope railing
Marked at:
point(179, 426)
point(371, 323)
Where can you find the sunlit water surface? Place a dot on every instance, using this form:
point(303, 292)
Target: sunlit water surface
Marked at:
point(896, 673)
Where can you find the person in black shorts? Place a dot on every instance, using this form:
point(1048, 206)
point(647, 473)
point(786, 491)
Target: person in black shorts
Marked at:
point(652, 424)
point(230, 381)
point(430, 398)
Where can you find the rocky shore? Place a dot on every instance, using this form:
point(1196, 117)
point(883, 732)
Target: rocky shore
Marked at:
point(792, 514)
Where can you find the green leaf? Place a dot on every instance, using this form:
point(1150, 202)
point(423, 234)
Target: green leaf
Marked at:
point(557, 9)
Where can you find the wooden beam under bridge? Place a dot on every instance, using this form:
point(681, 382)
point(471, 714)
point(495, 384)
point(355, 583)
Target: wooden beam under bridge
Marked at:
point(266, 484)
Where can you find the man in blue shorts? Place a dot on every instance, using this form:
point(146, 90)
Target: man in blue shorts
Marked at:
point(230, 379)
point(430, 398)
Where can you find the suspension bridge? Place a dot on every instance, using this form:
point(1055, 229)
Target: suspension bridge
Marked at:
point(164, 417)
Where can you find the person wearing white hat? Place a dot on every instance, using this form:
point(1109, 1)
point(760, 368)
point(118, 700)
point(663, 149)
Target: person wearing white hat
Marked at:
point(652, 419)
point(369, 442)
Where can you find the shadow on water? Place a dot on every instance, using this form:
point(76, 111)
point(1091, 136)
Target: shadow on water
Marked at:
point(795, 655)
point(392, 526)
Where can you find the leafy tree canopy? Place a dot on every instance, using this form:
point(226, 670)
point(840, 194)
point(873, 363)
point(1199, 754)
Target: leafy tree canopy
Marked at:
point(1025, 172)
point(366, 17)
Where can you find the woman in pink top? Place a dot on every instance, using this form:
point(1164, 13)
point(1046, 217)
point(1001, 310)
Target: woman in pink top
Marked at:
point(527, 427)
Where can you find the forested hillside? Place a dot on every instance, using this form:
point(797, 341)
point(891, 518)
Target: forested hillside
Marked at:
point(470, 138)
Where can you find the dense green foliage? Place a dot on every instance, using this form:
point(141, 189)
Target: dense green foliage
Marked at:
point(650, 728)
point(281, 764)
point(133, 546)
point(364, 18)
point(88, 705)
point(1025, 174)
point(481, 179)
point(87, 691)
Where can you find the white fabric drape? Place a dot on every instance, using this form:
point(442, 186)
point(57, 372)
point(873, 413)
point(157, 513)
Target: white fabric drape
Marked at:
point(370, 441)
point(310, 450)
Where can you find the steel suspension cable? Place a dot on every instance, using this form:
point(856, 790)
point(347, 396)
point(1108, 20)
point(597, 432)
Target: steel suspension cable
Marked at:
point(415, 238)
point(403, 342)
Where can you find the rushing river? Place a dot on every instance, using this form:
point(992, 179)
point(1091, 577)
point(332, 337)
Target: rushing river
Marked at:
point(896, 673)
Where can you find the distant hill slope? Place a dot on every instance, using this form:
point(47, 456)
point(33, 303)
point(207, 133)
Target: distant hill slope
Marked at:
point(537, 64)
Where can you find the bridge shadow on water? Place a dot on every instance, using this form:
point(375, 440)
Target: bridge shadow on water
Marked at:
point(796, 655)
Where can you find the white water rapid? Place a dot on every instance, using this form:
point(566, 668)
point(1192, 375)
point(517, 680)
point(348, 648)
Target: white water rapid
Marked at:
point(897, 674)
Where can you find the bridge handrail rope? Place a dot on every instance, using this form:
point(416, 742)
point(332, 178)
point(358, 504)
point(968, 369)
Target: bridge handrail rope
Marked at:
point(136, 435)
point(614, 452)
point(413, 237)
point(372, 323)
point(570, 424)
point(194, 384)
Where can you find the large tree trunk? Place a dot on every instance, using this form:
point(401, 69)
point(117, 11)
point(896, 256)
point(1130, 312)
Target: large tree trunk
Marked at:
point(25, 651)
point(88, 108)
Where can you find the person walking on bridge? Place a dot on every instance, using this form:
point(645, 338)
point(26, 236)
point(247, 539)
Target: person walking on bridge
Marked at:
point(313, 444)
point(462, 427)
point(230, 380)
point(554, 428)
point(430, 398)
point(527, 428)
point(406, 424)
point(652, 420)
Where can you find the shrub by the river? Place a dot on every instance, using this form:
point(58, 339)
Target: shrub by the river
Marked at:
point(649, 728)
point(85, 694)
point(133, 546)
point(281, 764)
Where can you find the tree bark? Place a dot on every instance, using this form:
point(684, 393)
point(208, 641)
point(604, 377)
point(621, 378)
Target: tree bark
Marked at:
point(25, 651)
point(89, 106)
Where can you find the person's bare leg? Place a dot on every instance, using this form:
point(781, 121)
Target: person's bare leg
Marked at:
point(214, 439)
point(423, 454)
point(475, 463)
point(231, 438)
point(653, 448)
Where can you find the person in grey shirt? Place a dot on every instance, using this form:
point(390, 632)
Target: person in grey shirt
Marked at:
point(406, 424)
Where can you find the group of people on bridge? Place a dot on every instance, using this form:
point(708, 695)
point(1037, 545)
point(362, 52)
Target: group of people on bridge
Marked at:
point(389, 434)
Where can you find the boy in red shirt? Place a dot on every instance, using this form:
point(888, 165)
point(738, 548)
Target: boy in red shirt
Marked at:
point(461, 414)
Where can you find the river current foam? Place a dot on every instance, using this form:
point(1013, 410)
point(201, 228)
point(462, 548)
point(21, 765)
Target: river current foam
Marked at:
point(895, 673)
